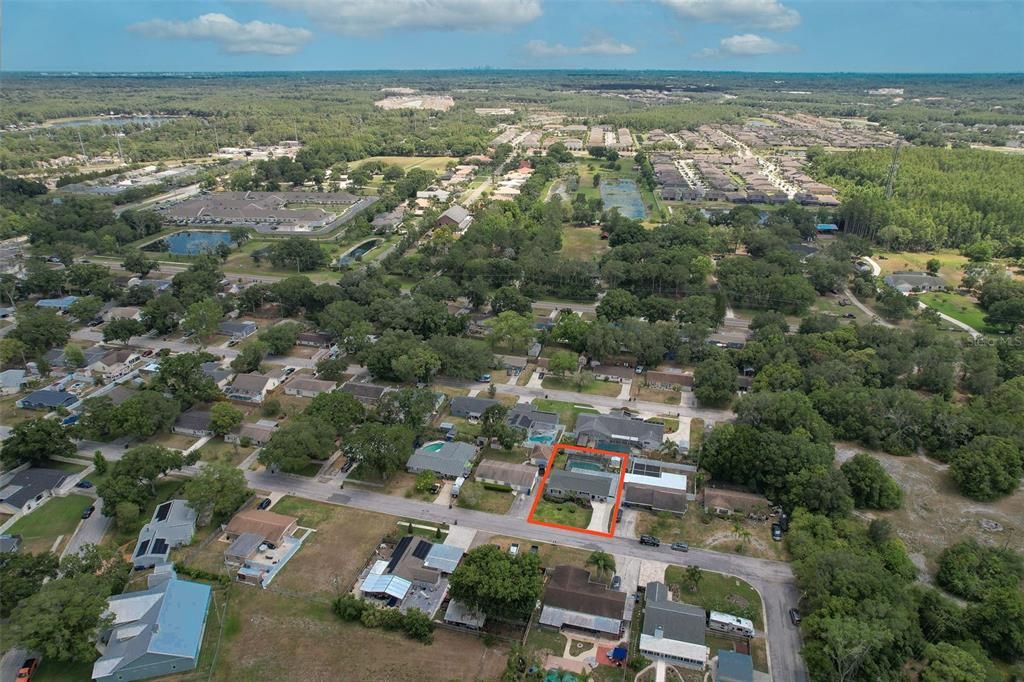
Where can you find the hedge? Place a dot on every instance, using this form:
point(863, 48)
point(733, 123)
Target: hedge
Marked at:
point(497, 486)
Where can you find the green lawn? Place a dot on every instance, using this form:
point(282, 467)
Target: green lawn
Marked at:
point(64, 466)
point(567, 411)
point(217, 450)
point(593, 387)
point(432, 163)
point(40, 528)
point(310, 514)
point(482, 499)
point(717, 592)
point(562, 513)
point(541, 639)
point(958, 307)
point(583, 243)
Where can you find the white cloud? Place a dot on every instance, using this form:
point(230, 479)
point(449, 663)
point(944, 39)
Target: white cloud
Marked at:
point(746, 45)
point(595, 46)
point(254, 37)
point(355, 17)
point(766, 14)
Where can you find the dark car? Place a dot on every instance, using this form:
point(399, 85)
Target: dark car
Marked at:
point(264, 503)
point(650, 540)
point(680, 547)
point(88, 511)
point(84, 484)
point(794, 616)
point(616, 582)
point(618, 516)
point(784, 522)
point(27, 670)
point(776, 532)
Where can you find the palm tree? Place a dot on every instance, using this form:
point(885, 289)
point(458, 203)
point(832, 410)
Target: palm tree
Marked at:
point(693, 576)
point(603, 562)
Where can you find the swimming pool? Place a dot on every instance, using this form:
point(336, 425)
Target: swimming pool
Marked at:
point(359, 251)
point(541, 439)
point(623, 195)
point(433, 447)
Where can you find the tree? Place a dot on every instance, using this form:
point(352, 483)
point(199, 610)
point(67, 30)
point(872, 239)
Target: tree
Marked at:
point(163, 313)
point(22, 575)
point(74, 356)
point(602, 562)
point(408, 406)
point(122, 329)
point(145, 414)
point(970, 570)
point(714, 381)
point(510, 329)
point(425, 481)
point(693, 577)
point(225, 418)
point(61, 620)
point(870, 485)
point(182, 376)
point(987, 468)
point(136, 262)
point(295, 445)
point(11, 350)
point(85, 308)
point(332, 369)
point(950, 663)
point(998, 622)
point(562, 362)
point(297, 253)
point(280, 338)
point(217, 490)
point(496, 583)
point(126, 514)
point(35, 441)
point(202, 318)
point(250, 357)
point(846, 644)
point(933, 266)
point(99, 463)
point(341, 410)
point(821, 489)
point(132, 478)
point(382, 449)
point(41, 329)
point(618, 304)
point(106, 563)
point(509, 298)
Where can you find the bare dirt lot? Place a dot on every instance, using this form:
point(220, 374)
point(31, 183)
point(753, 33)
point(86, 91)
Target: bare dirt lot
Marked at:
point(935, 515)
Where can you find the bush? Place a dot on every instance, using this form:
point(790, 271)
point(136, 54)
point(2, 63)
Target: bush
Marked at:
point(271, 408)
point(970, 570)
point(200, 574)
point(498, 487)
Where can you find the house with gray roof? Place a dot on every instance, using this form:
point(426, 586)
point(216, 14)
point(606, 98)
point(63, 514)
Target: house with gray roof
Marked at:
point(672, 631)
point(237, 329)
point(462, 616)
point(255, 434)
point(367, 394)
point(215, 371)
point(153, 633)
point(57, 358)
point(519, 477)
point(581, 484)
point(732, 666)
point(29, 488)
point(47, 399)
point(572, 600)
point(911, 282)
point(193, 423)
point(12, 381)
point(470, 408)
point(613, 428)
point(9, 543)
point(457, 217)
point(447, 459)
point(172, 525)
point(251, 388)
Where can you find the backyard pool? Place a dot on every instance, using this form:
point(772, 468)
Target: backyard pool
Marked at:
point(191, 243)
point(433, 447)
point(358, 252)
point(623, 195)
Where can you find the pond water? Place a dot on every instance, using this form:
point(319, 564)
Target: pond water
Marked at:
point(191, 243)
point(358, 252)
point(112, 121)
point(623, 195)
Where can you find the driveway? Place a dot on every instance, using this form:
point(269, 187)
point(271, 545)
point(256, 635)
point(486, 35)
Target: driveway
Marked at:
point(444, 498)
point(90, 531)
point(602, 516)
point(626, 528)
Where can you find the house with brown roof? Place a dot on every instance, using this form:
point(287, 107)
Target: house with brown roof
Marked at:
point(315, 339)
point(254, 434)
point(307, 387)
point(520, 477)
point(573, 601)
point(367, 394)
point(271, 526)
point(669, 380)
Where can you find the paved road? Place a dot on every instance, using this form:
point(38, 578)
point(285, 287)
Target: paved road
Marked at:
point(90, 531)
point(562, 305)
point(11, 663)
point(772, 579)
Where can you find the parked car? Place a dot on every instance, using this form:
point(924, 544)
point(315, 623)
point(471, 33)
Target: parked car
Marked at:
point(513, 549)
point(616, 582)
point(484, 377)
point(618, 516)
point(88, 511)
point(639, 369)
point(84, 484)
point(650, 540)
point(680, 547)
point(264, 503)
point(776, 532)
point(794, 616)
point(534, 549)
point(27, 670)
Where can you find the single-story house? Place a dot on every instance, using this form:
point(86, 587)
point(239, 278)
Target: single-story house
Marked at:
point(389, 221)
point(308, 387)
point(447, 459)
point(58, 358)
point(251, 388)
point(572, 600)
point(513, 364)
point(28, 488)
point(672, 631)
point(520, 477)
point(12, 381)
point(368, 394)
point(826, 228)
point(173, 524)
point(130, 312)
point(315, 339)
point(255, 434)
point(621, 430)
point(156, 285)
point(541, 427)
point(47, 399)
point(733, 666)
point(415, 576)
point(457, 217)
point(470, 408)
point(653, 499)
point(116, 394)
point(193, 423)
point(616, 373)
point(720, 501)
point(154, 633)
point(237, 329)
point(596, 486)
point(269, 525)
point(60, 304)
point(116, 363)
point(220, 376)
point(462, 616)
point(670, 380)
point(909, 282)
point(262, 542)
point(656, 486)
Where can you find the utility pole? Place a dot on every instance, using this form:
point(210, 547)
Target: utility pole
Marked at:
point(894, 168)
point(82, 146)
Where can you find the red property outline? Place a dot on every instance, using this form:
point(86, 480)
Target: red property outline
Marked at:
point(547, 473)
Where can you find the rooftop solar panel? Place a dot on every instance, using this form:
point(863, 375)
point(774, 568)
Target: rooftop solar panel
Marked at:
point(143, 546)
point(162, 511)
point(160, 546)
point(422, 550)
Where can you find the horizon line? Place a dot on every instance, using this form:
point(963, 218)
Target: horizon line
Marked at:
point(173, 72)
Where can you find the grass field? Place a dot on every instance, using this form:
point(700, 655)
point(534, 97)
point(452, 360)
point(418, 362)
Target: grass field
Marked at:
point(492, 501)
point(719, 534)
point(217, 450)
point(593, 387)
point(567, 411)
point(958, 307)
point(909, 261)
point(658, 395)
point(431, 163)
point(583, 243)
point(717, 592)
point(41, 527)
point(562, 513)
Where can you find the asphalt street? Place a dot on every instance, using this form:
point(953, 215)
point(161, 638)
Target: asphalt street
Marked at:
point(90, 531)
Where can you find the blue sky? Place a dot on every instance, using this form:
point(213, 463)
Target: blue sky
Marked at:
point(746, 35)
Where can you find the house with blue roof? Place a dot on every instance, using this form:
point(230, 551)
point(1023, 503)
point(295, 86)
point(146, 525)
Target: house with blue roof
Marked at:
point(155, 632)
point(47, 399)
